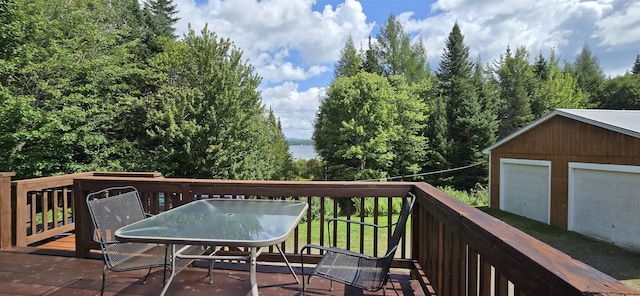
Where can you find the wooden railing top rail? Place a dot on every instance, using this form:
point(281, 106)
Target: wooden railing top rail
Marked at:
point(65, 180)
point(535, 267)
point(258, 188)
point(47, 182)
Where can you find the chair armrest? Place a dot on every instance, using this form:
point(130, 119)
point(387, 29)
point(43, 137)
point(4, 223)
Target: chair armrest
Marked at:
point(337, 250)
point(357, 222)
point(106, 242)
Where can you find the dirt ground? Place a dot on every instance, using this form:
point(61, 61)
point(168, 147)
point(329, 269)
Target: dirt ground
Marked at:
point(618, 263)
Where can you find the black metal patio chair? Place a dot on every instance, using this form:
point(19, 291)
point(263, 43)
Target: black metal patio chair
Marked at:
point(356, 269)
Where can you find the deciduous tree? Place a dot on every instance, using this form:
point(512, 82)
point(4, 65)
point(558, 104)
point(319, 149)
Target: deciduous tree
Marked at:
point(355, 127)
point(207, 120)
point(622, 92)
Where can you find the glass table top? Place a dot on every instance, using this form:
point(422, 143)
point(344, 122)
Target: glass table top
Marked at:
point(219, 221)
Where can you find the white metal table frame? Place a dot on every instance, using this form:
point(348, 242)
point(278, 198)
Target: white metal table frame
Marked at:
point(220, 222)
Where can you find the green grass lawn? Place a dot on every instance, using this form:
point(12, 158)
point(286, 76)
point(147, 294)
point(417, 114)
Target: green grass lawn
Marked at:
point(355, 235)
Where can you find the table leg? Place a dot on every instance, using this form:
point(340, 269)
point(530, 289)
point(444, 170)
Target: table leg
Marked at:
point(173, 270)
point(252, 271)
point(288, 264)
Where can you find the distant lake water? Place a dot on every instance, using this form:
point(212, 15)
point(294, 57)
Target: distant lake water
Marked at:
point(303, 152)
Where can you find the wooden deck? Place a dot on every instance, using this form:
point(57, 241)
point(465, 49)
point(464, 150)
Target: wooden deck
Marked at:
point(50, 270)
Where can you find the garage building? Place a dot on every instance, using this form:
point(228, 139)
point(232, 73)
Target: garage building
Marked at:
point(577, 169)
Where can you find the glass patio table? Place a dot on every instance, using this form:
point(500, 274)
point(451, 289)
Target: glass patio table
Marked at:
point(220, 222)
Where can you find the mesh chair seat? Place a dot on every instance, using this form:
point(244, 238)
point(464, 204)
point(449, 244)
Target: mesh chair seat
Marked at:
point(353, 269)
point(129, 256)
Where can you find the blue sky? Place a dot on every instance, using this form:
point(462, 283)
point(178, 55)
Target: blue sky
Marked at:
point(294, 44)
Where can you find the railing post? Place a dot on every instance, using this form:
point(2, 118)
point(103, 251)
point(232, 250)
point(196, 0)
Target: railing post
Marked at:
point(6, 227)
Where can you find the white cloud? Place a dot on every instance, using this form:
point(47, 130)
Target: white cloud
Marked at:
point(287, 71)
point(275, 27)
point(490, 26)
point(621, 26)
point(295, 109)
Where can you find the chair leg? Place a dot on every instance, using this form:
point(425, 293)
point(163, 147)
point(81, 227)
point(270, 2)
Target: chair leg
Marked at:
point(164, 269)
point(304, 287)
point(390, 280)
point(144, 280)
point(211, 271)
point(104, 274)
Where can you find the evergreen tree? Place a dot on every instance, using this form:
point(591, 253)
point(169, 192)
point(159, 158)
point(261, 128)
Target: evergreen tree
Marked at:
point(371, 63)
point(587, 71)
point(397, 55)
point(636, 66)
point(436, 133)
point(541, 66)
point(469, 120)
point(514, 77)
point(282, 160)
point(349, 62)
point(163, 17)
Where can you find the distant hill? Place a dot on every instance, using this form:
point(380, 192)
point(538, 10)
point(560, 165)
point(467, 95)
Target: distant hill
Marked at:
point(293, 141)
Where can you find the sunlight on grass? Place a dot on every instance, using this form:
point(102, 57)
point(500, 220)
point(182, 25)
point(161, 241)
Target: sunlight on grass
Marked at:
point(368, 239)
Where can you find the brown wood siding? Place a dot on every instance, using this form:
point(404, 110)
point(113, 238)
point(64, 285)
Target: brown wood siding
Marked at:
point(562, 140)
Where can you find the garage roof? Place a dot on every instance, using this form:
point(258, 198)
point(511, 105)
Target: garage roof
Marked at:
point(623, 121)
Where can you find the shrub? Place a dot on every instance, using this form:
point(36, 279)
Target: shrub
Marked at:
point(383, 209)
point(315, 208)
point(477, 197)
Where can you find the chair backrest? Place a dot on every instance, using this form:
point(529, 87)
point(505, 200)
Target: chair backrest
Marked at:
point(398, 231)
point(110, 212)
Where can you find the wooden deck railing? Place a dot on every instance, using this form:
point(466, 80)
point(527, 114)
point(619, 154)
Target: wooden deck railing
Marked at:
point(38, 209)
point(162, 194)
point(460, 250)
point(451, 248)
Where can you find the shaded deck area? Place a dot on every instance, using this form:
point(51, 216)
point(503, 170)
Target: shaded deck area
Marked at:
point(51, 269)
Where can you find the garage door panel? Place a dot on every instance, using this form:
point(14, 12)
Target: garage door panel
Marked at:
point(525, 189)
point(606, 203)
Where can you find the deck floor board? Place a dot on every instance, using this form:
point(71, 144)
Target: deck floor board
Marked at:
point(43, 271)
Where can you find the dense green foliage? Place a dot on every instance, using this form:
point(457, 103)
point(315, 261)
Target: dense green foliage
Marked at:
point(106, 85)
point(357, 125)
point(622, 92)
point(103, 85)
point(385, 115)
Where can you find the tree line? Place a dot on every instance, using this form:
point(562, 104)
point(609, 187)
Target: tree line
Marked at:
point(95, 85)
point(386, 114)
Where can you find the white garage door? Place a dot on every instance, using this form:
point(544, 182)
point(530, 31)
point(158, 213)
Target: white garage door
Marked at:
point(604, 202)
point(525, 188)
